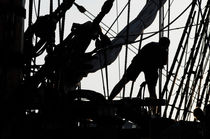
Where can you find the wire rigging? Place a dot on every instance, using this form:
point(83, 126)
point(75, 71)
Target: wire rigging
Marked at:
point(126, 47)
point(117, 14)
point(189, 97)
point(109, 28)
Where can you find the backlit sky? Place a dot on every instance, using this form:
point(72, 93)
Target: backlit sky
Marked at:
point(94, 81)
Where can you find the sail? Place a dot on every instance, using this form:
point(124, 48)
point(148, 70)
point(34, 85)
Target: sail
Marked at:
point(145, 18)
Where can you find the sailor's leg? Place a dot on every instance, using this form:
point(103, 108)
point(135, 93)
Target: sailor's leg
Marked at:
point(151, 79)
point(116, 90)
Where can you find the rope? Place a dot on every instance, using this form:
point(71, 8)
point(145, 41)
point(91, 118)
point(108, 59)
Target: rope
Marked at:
point(165, 26)
point(126, 47)
point(107, 32)
point(132, 42)
point(103, 83)
point(168, 35)
point(117, 14)
point(177, 53)
point(61, 25)
point(51, 6)
point(169, 8)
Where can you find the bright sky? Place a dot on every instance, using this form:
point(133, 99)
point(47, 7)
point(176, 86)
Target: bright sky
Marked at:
point(94, 80)
point(136, 7)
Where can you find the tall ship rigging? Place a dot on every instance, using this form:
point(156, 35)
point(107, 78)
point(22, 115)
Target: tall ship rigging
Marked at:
point(50, 54)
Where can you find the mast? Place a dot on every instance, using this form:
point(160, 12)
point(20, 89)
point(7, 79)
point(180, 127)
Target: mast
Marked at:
point(161, 34)
point(12, 14)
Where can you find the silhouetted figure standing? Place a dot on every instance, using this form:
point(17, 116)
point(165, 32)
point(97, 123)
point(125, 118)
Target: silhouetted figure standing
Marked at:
point(151, 57)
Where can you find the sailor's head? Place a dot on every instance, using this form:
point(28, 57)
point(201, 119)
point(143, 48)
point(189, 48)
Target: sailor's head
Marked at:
point(164, 42)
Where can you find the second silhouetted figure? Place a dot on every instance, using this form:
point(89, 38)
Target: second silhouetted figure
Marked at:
point(151, 57)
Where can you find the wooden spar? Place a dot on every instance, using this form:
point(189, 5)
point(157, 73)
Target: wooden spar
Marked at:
point(104, 10)
point(108, 4)
point(61, 25)
point(12, 14)
point(142, 21)
point(191, 61)
point(50, 65)
point(161, 34)
point(55, 17)
point(32, 51)
point(175, 59)
point(51, 6)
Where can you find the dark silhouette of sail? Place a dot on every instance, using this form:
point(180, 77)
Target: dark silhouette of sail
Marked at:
point(145, 18)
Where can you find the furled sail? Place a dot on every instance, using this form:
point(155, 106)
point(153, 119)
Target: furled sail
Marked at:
point(145, 18)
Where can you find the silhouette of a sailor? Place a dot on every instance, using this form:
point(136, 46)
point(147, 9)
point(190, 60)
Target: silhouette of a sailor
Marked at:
point(151, 57)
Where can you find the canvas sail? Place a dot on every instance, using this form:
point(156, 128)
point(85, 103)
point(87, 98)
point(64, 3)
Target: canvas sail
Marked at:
point(144, 19)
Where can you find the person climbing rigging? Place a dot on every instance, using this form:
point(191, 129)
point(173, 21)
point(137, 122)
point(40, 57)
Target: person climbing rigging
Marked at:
point(151, 57)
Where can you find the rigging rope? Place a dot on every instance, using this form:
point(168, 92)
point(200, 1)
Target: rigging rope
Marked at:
point(205, 27)
point(169, 6)
point(166, 25)
point(132, 42)
point(168, 35)
point(179, 65)
point(161, 34)
point(189, 68)
point(177, 53)
point(126, 47)
point(109, 28)
point(117, 14)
